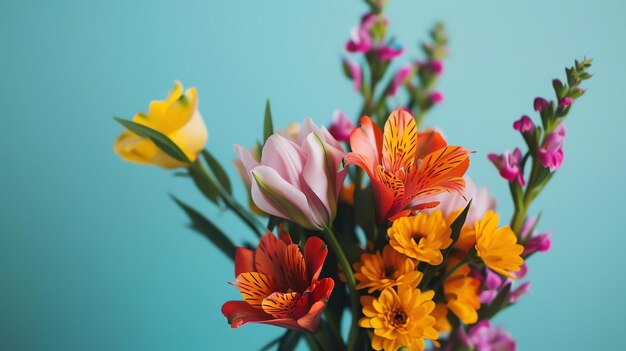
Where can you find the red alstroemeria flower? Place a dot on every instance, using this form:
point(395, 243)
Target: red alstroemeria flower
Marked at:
point(405, 166)
point(280, 285)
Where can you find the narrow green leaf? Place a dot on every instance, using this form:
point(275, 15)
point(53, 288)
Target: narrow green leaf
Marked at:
point(456, 227)
point(270, 344)
point(161, 140)
point(218, 171)
point(205, 227)
point(268, 126)
point(289, 340)
point(204, 182)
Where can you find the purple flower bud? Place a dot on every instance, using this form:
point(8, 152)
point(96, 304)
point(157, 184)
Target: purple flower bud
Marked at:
point(353, 70)
point(524, 125)
point(564, 102)
point(436, 97)
point(389, 52)
point(342, 126)
point(400, 78)
point(517, 293)
point(540, 104)
point(551, 152)
point(537, 243)
point(509, 165)
point(435, 66)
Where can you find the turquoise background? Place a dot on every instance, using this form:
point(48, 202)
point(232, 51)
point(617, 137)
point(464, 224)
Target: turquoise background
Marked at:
point(95, 256)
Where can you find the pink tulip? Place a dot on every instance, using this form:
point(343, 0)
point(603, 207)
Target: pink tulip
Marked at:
point(342, 126)
point(509, 165)
point(551, 152)
point(398, 80)
point(298, 181)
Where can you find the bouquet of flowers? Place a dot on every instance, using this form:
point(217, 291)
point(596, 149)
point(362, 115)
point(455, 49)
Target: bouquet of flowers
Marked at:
point(379, 220)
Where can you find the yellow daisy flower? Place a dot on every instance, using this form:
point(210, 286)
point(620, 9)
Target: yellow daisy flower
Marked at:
point(400, 318)
point(377, 272)
point(498, 247)
point(461, 292)
point(421, 237)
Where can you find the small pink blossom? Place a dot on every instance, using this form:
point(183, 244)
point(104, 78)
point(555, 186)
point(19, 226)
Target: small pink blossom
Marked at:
point(398, 80)
point(389, 52)
point(509, 165)
point(564, 102)
point(436, 97)
point(551, 152)
point(524, 125)
point(342, 126)
point(539, 104)
point(483, 337)
point(538, 243)
point(360, 38)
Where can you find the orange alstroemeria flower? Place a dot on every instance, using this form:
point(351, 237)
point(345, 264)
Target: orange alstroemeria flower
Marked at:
point(280, 285)
point(405, 166)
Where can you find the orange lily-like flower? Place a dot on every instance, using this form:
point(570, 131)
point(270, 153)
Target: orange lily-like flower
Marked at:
point(405, 166)
point(280, 285)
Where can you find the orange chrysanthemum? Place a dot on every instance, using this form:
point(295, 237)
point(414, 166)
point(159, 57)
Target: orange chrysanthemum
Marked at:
point(461, 292)
point(421, 237)
point(498, 247)
point(401, 318)
point(377, 272)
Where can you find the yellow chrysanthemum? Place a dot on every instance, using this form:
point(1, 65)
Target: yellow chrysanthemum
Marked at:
point(377, 272)
point(421, 237)
point(461, 292)
point(400, 318)
point(498, 247)
point(442, 324)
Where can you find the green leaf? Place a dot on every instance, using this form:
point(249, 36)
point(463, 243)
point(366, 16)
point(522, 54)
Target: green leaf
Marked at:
point(271, 343)
point(204, 182)
point(205, 227)
point(289, 340)
point(363, 205)
point(268, 126)
point(456, 227)
point(160, 140)
point(218, 171)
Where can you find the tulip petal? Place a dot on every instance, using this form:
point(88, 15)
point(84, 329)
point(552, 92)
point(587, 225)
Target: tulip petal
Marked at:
point(192, 137)
point(285, 157)
point(274, 195)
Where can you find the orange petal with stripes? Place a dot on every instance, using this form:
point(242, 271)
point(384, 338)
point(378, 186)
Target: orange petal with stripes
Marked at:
point(295, 268)
point(281, 305)
point(400, 143)
point(255, 287)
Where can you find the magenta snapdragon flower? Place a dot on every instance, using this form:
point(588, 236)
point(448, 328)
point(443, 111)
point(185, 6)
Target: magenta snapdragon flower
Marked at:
point(509, 165)
point(484, 337)
point(551, 152)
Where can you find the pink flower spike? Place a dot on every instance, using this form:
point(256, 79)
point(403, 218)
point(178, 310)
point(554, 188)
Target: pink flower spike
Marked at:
point(436, 97)
point(400, 78)
point(540, 104)
point(509, 165)
point(524, 125)
point(353, 69)
point(564, 102)
point(342, 126)
point(551, 152)
point(521, 274)
point(389, 52)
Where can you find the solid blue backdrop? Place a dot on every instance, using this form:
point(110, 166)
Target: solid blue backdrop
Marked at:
point(95, 256)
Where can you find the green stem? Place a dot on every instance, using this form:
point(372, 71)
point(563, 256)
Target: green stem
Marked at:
point(350, 282)
point(230, 202)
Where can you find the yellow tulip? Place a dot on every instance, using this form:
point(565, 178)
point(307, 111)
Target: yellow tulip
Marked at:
point(178, 118)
